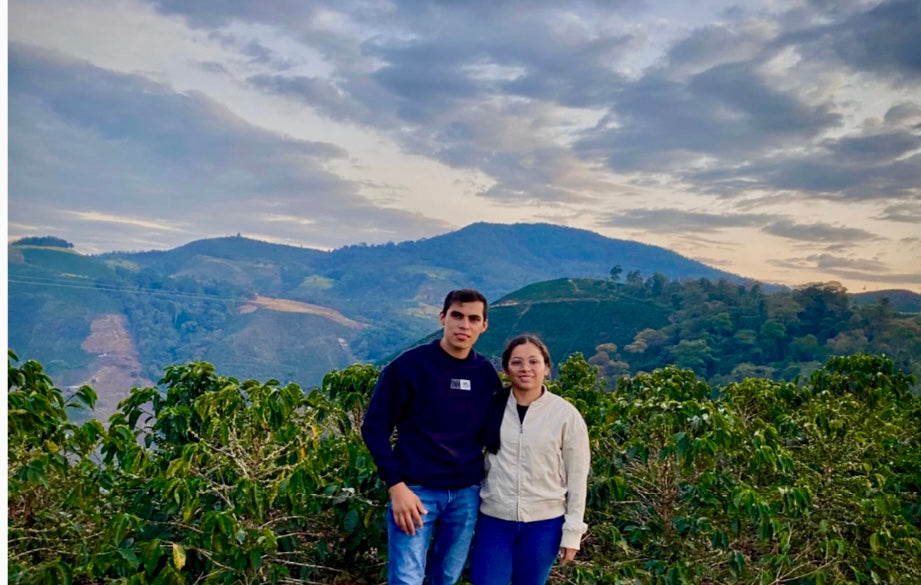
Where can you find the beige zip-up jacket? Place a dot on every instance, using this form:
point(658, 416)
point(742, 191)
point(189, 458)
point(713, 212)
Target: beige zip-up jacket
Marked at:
point(541, 468)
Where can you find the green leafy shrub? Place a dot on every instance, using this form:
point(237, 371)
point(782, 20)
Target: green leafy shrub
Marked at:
point(206, 479)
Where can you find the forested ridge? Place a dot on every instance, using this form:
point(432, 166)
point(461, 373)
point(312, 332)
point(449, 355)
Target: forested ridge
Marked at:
point(207, 479)
point(725, 332)
point(185, 304)
point(653, 308)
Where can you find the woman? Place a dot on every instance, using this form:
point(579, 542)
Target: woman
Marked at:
point(533, 497)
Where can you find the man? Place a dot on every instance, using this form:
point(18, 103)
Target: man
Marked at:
point(437, 396)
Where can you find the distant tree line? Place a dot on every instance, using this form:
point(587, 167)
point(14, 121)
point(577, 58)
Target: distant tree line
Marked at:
point(46, 241)
point(726, 332)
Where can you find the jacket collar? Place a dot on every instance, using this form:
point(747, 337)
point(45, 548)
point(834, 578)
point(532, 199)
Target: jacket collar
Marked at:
point(543, 395)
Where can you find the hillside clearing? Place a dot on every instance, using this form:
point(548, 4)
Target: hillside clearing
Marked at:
point(289, 306)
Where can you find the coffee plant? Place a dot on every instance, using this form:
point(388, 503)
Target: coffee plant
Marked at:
point(205, 479)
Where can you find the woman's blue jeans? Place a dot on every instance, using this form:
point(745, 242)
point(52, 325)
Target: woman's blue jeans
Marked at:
point(520, 553)
point(439, 549)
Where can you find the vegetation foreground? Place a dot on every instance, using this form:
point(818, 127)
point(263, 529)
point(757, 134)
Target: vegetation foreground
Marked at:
point(211, 480)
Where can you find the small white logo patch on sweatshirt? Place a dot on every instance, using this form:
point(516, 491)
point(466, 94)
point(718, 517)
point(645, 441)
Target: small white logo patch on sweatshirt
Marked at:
point(458, 384)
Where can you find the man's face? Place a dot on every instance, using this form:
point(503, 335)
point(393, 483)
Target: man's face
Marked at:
point(463, 323)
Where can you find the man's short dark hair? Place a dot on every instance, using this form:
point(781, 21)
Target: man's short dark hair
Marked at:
point(464, 295)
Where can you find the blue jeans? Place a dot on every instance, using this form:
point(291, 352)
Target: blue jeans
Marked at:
point(520, 553)
point(448, 526)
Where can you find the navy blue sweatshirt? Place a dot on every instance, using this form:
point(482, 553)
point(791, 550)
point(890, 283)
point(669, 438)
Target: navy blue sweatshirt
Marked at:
point(438, 404)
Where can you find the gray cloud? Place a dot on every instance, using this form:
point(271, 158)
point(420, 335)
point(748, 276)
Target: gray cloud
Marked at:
point(868, 149)
point(717, 44)
point(714, 119)
point(902, 212)
point(832, 262)
point(131, 107)
point(907, 114)
point(818, 232)
point(83, 140)
point(223, 12)
point(675, 220)
point(841, 170)
point(885, 39)
point(561, 107)
point(849, 268)
point(213, 67)
point(711, 115)
point(322, 94)
point(728, 111)
point(429, 70)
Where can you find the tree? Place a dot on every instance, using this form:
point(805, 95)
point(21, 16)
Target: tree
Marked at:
point(646, 340)
point(634, 279)
point(826, 308)
point(695, 355)
point(608, 362)
point(805, 348)
point(772, 337)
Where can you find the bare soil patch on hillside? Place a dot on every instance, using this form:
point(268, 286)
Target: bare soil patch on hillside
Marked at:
point(109, 334)
point(116, 368)
point(289, 306)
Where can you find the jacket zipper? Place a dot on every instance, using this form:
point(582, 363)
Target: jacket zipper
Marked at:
point(520, 468)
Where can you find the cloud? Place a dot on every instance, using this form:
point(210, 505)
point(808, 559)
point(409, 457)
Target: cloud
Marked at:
point(726, 121)
point(719, 44)
point(818, 232)
point(671, 121)
point(321, 94)
point(87, 143)
point(902, 212)
point(699, 120)
point(417, 77)
point(841, 170)
point(717, 114)
point(694, 223)
point(108, 218)
point(849, 268)
point(675, 220)
point(883, 40)
point(905, 113)
point(829, 261)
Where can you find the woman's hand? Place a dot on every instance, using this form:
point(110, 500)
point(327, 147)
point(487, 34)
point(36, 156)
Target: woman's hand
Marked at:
point(567, 555)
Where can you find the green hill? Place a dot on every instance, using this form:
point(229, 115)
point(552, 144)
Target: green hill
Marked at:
point(571, 315)
point(124, 317)
point(54, 296)
point(902, 301)
point(722, 331)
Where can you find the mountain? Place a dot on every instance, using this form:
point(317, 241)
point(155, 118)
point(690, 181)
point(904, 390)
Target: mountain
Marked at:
point(903, 301)
point(261, 310)
point(496, 258)
point(397, 289)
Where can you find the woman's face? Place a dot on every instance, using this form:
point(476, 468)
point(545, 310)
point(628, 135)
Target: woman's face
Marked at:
point(526, 367)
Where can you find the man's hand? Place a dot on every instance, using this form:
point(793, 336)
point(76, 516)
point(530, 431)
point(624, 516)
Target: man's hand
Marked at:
point(567, 555)
point(407, 508)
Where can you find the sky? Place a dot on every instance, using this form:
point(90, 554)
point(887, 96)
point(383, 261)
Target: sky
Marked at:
point(778, 140)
